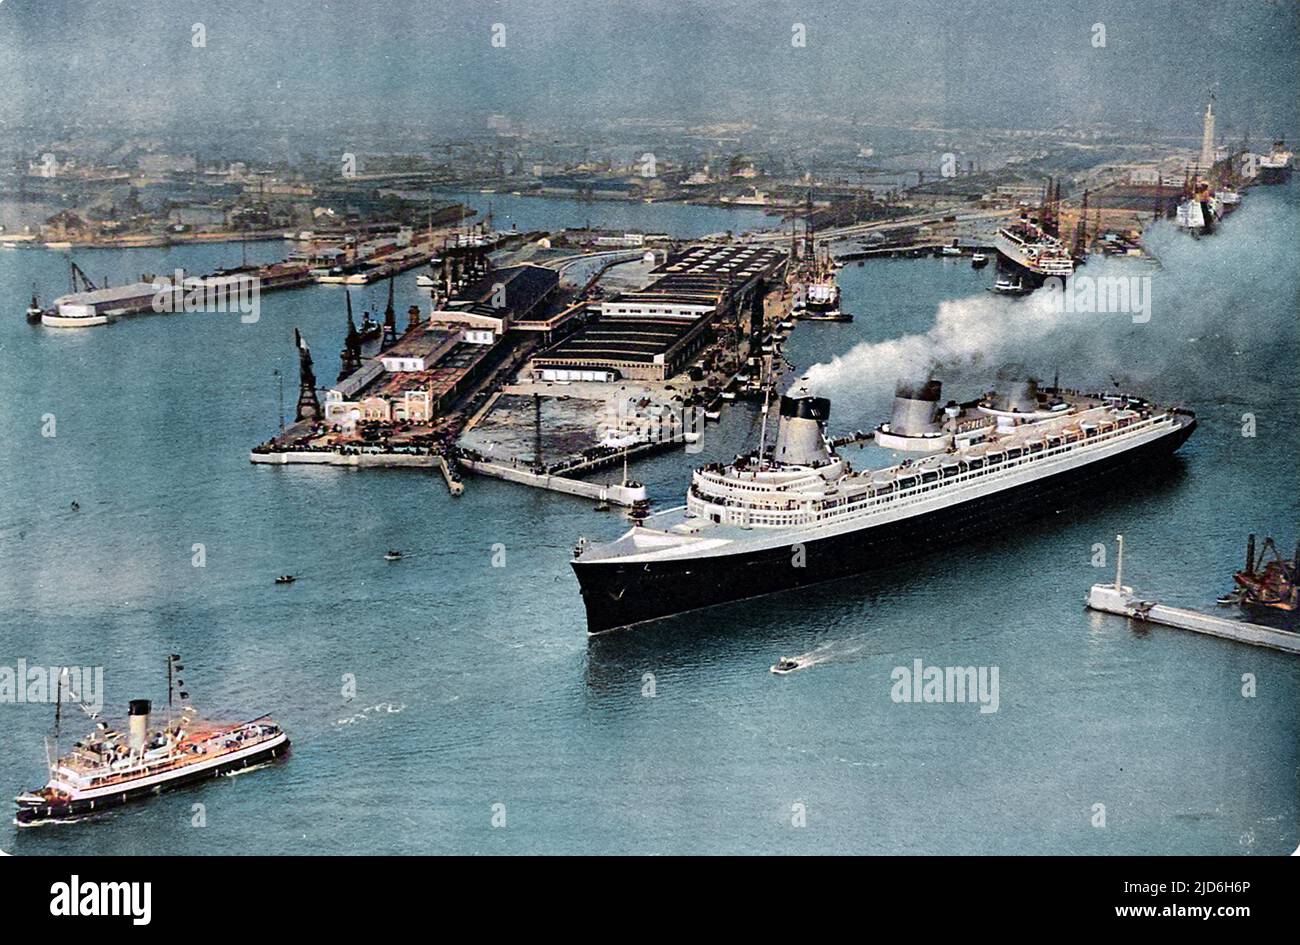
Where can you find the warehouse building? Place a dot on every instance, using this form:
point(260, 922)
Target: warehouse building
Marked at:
point(653, 333)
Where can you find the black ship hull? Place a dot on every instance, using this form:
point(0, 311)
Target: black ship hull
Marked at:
point(1029, 279)
point(618, 594)
point(76, 809)
point(1274, 175)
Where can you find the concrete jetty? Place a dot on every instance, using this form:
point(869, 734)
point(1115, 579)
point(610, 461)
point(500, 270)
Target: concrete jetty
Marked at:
point(454, 485)
point(1116, 598)
point(618, 494)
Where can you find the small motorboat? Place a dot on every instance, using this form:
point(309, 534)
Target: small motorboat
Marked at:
point(785, 665)
point(1228, 599)
point(1005, 286)
point(285, 579)
point(602, 506)
point(979, 261)
point(713, 415)
point(393, 555)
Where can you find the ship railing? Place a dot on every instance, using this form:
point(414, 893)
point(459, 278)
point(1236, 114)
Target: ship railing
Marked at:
point(262, 732)
point(911, 494)
point(900, 497)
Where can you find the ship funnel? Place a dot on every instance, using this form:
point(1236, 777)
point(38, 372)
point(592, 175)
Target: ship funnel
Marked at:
point(139, 722)
point(801, 436)
point(1022, 397)
point(916, 408)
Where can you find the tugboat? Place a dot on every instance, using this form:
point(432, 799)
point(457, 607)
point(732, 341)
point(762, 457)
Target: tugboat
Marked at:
point(285, 579)
point(34, 310)
point(108, 768)
point(369, 329)
point(785, 665)
point(394, 555)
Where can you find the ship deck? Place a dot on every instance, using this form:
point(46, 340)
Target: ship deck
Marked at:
point(83, 768)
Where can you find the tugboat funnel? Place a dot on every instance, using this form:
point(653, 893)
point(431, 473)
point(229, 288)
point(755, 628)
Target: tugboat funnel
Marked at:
point(139, 724)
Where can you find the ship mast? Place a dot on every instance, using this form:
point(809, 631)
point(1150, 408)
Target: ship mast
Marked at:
point(767, 397)
point(52, 759)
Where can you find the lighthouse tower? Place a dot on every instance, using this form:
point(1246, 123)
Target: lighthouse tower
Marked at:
point(1207, 137)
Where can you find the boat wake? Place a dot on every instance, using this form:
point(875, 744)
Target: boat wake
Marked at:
point(825, 653)
point(55, 821)
point(238, 771)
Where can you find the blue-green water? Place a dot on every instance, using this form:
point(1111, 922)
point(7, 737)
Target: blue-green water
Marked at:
point(522, 212)
point(476, 685)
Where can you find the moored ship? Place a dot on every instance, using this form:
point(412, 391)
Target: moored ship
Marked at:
point(108, 768)
point(1275, 167)
point(817, 293)
point(1032, 255)
point(799, 514)
point(1199, 214)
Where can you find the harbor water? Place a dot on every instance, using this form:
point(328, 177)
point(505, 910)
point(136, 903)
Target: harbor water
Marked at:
point(484, 719)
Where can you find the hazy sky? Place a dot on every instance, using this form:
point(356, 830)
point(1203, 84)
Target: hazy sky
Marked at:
point(997, 62)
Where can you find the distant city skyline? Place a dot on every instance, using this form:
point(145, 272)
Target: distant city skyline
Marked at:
point(585, 64)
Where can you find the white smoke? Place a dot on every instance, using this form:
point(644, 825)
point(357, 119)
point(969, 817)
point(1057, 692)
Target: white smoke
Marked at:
point(1221, 306)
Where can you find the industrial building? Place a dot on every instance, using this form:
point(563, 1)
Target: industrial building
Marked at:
point(702, 282)
point(412, 381)
point(496, 298)
point(609, 350)
point(654, 332)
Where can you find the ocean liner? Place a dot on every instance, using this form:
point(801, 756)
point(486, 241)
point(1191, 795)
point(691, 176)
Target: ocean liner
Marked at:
point(108, 768)
point(799, 514)
point(1032, 255)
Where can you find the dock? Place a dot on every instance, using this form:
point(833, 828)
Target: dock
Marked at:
point(618, 494)
point(1120, 601)
point(1116, 598)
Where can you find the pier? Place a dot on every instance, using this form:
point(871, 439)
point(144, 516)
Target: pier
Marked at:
point(625, 494)
point(1115, 598)
point(454, 484)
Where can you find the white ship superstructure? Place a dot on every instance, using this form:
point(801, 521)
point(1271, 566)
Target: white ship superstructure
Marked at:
point(1200, 212)
point(1275, 167)
point(1032, 253)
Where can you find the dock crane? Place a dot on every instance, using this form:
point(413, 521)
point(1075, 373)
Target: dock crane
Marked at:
point(76, 273)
